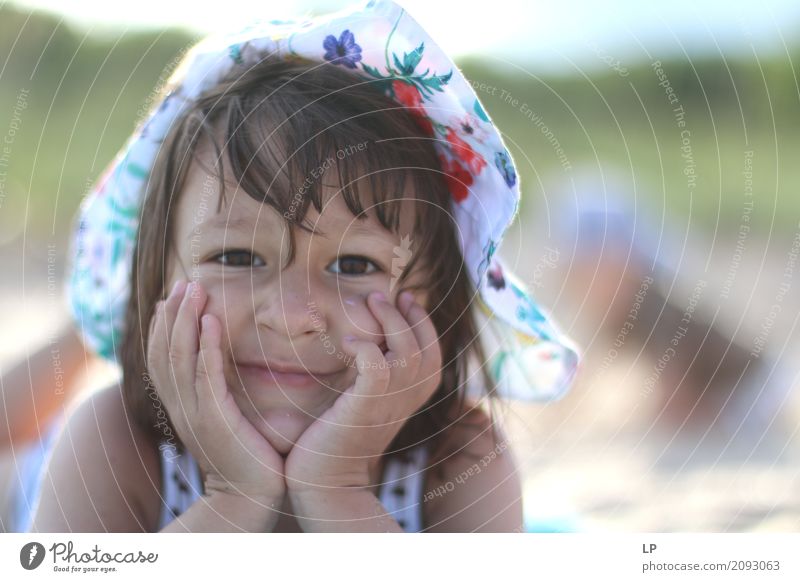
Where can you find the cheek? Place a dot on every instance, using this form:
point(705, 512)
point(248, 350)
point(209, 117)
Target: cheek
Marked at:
point(230, 303)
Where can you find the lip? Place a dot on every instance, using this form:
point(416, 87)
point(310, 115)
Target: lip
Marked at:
point(283, 375)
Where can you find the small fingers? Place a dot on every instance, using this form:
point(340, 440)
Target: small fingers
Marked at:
point(184, 345)
point(373, 370)
point(427, 337)
point(185, 334)
point(162, 320)
point(211, 386)
point(171, 305)
point(400, 339)
point(159, 363)
point(161, 324)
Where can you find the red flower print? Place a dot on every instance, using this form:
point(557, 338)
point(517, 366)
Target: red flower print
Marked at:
point(462, 149)
point(457, 177)
point(406, 93)
point(409, 96)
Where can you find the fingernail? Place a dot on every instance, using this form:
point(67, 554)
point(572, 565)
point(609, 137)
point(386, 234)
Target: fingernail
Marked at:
point(407, 296)
point(379, 296)
point(176, 288)
point(349, 338)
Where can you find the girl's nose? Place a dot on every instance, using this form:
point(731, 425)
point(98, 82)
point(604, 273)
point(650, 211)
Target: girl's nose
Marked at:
point(291, 311)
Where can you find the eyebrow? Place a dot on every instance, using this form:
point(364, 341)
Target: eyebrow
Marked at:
point(222, 221)
point(356, 227)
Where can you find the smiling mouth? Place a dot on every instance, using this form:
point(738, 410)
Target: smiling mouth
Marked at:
point(284, 376)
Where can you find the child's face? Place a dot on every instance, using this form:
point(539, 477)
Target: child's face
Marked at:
point(297, 315)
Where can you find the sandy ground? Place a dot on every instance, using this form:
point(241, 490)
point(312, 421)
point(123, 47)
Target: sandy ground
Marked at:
point(586, 469)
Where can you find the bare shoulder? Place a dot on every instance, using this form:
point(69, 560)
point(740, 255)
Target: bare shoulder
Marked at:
point(478, 487)
point(103, 474)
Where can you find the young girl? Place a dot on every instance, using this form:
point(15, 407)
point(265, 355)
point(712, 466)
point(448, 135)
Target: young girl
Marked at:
point(284, 261)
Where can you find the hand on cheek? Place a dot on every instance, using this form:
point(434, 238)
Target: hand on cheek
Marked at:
point(185, 362)
point(389, 388)
point(400, 300)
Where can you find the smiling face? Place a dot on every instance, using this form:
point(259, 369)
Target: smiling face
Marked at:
point(275, 123)
point(295, 314)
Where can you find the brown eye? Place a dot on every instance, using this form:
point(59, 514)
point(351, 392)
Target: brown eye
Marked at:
point(355, 265)
point(239, 258)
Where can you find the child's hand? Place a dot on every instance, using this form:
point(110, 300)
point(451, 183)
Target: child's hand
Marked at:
point(188, 374)
point(338, 448)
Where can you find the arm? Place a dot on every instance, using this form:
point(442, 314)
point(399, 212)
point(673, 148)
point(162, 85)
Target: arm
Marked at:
point(223, 512)
point(344, 510)
point(38, 386)
point(481, 489)
point(95, 472)
point(486, 494)
point(101, 479)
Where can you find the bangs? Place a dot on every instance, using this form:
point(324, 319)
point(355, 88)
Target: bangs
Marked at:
point(291, 135)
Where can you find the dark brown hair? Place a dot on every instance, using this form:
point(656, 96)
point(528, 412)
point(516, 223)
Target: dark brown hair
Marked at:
point(279, 119)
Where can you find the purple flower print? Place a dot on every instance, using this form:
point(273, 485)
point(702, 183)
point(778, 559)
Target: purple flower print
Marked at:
point(344, 51)
point(495, 277)
point(503, 162)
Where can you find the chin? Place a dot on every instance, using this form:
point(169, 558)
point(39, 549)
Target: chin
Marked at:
point(282, 420)
point(282, 427)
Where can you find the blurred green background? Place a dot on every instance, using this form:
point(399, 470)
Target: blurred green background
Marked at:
point(87, 91)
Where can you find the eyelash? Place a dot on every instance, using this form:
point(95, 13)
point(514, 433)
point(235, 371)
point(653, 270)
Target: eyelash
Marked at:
point(360, 258)
point(217, 257)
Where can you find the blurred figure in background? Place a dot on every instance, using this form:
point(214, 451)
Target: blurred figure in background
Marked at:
point(636, 294)
point(35, 394)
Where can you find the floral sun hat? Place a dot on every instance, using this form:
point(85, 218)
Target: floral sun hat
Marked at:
point(381, 42)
